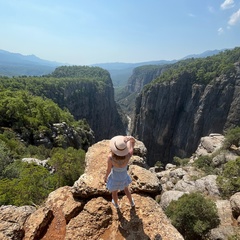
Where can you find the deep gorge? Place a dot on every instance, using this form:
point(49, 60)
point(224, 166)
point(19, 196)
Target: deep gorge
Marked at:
point(172, 113)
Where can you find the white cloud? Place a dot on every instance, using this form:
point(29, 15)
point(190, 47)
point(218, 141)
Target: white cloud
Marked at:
point(227, 4)
point(220, 31)
point(234, 18)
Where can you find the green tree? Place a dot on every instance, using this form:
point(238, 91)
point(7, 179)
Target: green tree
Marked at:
point(68, 164)
point(193, 215)
point(30, 185)
point(229, 181)
point(180, 161)
point(5, 158)
point(232, 137)
point(204, 163)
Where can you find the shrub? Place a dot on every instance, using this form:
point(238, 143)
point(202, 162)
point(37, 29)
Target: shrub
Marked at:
point(229, 181)
point(180, 162)
point(158, 164)
point(68, 163)
point(193, 215)
point(232, 137)
point(234, 237)
point(204, 163)
point(30, 184)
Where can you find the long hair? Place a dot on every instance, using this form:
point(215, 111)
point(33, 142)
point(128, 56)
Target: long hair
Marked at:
point(116, 157)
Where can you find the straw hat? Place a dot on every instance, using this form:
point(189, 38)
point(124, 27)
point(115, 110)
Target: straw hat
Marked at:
point(119, 146)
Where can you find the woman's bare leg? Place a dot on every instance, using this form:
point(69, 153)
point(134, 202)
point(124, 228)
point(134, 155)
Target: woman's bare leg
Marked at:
point(115, 197)
point(129, 196)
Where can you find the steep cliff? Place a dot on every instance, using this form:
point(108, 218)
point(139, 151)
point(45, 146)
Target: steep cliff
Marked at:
point(174, 112)
point(142, 76)
point(90, 95)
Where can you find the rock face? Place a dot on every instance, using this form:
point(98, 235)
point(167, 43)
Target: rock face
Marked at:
point(12, 220)
point(142, 76)
point(171, 117)
point(97, 106)
point(85, 211)
point(88, 94)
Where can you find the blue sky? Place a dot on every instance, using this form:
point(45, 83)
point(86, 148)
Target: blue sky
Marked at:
point(83, 32)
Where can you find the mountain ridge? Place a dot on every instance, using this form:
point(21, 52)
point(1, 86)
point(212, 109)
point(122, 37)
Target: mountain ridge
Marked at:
point(17, 64)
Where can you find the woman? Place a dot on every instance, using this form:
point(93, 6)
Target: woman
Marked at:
point(117, 177)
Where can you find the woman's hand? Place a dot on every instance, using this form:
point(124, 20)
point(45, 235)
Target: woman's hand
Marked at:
point(129, 138)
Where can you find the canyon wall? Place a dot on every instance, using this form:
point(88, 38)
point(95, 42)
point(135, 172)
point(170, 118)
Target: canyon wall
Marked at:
point(171, 116)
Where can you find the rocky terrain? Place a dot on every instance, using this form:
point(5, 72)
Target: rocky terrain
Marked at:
point(84, 211)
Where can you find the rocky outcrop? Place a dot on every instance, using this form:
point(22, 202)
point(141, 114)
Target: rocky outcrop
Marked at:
point(209, 144)
point(63, 135)
point(172, 116)
point(84, 211)
point(12, 220)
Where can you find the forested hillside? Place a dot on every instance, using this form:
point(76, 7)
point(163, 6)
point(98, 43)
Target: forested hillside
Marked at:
point(28, 130)
point(87, 92)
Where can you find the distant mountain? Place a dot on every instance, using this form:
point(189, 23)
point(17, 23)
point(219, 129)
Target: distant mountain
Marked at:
point(120, 72)
point(121, 65)
point(16, 64)
point(204, 54)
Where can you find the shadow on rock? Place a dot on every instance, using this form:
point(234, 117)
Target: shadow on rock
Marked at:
point(132, 229)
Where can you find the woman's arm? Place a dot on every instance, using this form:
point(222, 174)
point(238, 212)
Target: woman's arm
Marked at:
point(131, 143)
point(109, 168)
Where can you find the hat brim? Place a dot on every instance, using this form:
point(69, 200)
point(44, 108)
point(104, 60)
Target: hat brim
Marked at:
point(115, 150)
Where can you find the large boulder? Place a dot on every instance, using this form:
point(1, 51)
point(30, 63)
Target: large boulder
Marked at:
point(37, 223)
point(209, 144)
point(206, 185)
point(91, 183)
point(235, 204)
point(145, 221)
point(227, 226)
point(12, 219)
point(169, 196)
point(144, 181)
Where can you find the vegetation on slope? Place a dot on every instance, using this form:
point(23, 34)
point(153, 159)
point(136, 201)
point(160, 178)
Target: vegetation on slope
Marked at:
point(24, 117)
point(193, 215)
point(27, 111)
point(202, 70)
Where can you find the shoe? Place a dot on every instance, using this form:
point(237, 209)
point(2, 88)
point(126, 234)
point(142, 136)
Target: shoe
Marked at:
point(133, 203)
point(114, 204)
